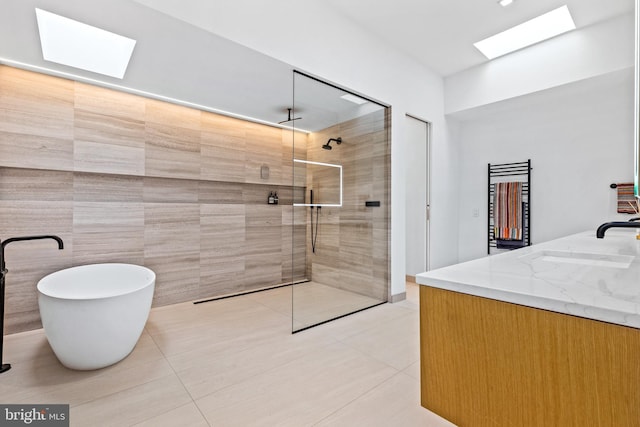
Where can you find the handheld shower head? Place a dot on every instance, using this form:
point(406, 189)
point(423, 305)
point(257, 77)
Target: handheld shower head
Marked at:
point(327, 146)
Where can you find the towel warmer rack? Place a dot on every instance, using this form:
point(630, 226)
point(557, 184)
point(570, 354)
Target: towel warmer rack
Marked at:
point(504, 172)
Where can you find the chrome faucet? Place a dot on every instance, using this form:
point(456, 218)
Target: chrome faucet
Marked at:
point(3, 272)
point(615, 224)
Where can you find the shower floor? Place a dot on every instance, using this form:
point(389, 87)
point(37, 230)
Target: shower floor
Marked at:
point(315, 303)
point(312, 303)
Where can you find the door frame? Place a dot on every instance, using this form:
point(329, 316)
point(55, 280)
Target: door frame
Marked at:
point(427, 237)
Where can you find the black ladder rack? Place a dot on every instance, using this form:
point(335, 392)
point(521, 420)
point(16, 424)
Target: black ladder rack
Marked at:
point(502, 173)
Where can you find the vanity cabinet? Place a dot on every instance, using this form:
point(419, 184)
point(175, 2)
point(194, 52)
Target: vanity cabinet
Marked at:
point(491, 363)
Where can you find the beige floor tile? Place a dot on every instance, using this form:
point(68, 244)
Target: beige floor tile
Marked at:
point(396, 343)
point(214, 325)
point(133, 405)
point(24, 346)
point(278, 299)
point(408, 304)
point(314, 303)
point(393, 403)
point(413, 370)
point(299, 393)
point(357, 323)
point(44, 379)
point(189, 315)
point(187, 415)
point(203, 373)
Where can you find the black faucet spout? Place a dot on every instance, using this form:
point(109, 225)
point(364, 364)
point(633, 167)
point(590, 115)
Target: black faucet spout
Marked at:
point(19, 239)
point(615, 224)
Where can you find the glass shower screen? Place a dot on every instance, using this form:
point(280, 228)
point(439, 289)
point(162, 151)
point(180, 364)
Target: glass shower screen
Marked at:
point(340, 212)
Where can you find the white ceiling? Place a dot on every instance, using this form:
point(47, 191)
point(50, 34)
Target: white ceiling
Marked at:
point(181, 54)
point(438, 33)
point(441, 33)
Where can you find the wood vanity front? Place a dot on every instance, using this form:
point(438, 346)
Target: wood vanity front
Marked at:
point(491, 363)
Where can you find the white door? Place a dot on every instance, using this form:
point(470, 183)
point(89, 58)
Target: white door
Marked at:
point(417, 205)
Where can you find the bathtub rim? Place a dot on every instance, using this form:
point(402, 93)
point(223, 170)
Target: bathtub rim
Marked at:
point(44, 283)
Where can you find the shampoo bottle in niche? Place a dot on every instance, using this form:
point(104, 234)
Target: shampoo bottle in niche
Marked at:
point(275, 198)
point(271, 199)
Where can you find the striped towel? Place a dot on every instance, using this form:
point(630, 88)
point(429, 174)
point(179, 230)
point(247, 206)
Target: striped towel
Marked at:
point(507, 211)
point(625, 195)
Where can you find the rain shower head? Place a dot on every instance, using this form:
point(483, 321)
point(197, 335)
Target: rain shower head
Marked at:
point(327, 146)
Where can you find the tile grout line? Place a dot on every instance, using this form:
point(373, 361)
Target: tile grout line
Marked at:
point(175, 373)
point(230, 385)
point(359, 397)
point(342, 341)
point(124, 389)
point(375, 358)
point(273, 368)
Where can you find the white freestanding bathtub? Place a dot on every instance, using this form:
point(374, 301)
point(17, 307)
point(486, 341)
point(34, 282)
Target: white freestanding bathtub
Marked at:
point(93, 315)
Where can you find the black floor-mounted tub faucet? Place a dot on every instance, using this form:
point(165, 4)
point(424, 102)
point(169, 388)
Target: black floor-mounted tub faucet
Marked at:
point(3, 273)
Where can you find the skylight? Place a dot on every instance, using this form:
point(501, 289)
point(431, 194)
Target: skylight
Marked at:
point(68, 42)
point(354, 99)
point(543, 27)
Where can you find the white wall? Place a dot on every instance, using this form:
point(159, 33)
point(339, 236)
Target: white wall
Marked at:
point(579, 138)
point(588, 52)
point(313, 37)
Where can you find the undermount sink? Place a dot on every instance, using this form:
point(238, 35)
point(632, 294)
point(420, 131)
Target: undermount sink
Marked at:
point(582, 258)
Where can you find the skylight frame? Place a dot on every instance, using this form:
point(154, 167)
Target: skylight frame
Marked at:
point(69, 42)
point(536, 30)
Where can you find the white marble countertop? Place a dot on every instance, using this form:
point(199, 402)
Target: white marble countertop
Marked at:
point(577, 275)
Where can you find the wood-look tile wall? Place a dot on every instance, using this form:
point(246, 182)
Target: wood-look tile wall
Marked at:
point(352, 248)
point(123, 178)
